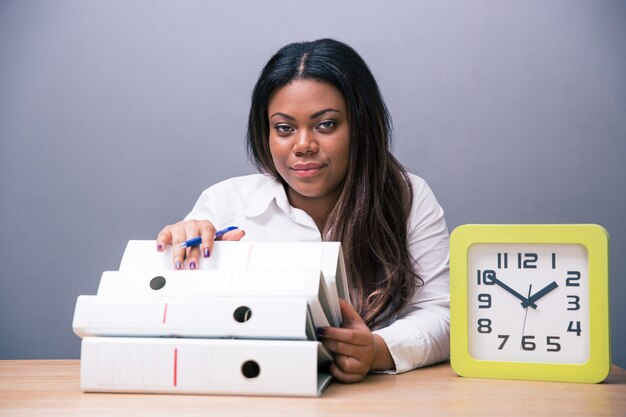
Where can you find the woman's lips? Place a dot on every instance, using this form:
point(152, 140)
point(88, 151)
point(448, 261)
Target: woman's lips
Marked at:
point(307, 169)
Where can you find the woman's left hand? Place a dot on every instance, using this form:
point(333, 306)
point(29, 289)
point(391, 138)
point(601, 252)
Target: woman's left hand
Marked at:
point(356, 348)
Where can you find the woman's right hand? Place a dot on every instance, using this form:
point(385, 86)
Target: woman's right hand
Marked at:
point(175, 234)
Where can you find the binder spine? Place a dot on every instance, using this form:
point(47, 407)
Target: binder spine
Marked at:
point(203, 366)
point(205, 317)
point(303, 283)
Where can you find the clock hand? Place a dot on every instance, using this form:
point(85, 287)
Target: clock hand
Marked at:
point(539, 294)
point(525, 301)
point(530, 287)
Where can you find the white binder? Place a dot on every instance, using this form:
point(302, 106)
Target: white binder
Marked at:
point(206, 317)
point(204, 366)
point(300, 283)
point(141, 255)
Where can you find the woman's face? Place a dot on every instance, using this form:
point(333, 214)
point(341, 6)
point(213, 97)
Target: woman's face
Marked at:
point(310, 141)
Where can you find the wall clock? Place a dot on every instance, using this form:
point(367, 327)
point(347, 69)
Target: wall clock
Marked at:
point(530, 302)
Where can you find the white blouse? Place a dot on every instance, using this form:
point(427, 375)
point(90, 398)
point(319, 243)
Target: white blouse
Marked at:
point(416, 337)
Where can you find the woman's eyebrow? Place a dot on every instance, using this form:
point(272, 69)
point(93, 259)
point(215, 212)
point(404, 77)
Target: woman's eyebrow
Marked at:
point(286, 116)
point(313, 116)
point(319, 113)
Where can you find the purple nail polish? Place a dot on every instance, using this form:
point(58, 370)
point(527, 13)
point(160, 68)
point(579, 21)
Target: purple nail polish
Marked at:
point(207, 253)
point(178, 265)
point(320, 331)
point(192, 265)
point(160, 247)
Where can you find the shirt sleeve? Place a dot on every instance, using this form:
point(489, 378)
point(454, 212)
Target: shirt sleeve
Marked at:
point(420, 335)
point(202, 210)
point(223, 203)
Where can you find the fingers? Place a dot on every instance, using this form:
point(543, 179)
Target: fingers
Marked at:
point(351, 319)
point(343, 376)
point(207, 231)
point(181, 232)
point(353, 345)
point(351, 336)
point(354, 352)
point(353, 364)
point(164, 238)
point(234, 235)
point(347, 338)
point(177, 233)
point(193, 256)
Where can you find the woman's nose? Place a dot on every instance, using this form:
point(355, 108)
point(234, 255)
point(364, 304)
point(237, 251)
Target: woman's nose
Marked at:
point(305, 142)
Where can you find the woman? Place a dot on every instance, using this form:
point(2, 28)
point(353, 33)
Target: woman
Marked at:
point(319, 132)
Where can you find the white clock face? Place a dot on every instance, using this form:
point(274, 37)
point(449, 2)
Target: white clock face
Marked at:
point(528, 303)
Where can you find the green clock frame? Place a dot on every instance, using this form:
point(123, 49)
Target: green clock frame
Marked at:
point(596, 241)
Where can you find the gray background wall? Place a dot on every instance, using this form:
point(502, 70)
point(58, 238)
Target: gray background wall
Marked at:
point(115, 115)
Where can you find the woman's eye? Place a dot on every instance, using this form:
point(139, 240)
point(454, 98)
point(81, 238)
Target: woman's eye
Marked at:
point(326, 124)
point(283, 129)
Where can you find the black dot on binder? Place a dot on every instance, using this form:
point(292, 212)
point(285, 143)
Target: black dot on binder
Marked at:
point(250, 369)
point(157, 283)
point(242, 314)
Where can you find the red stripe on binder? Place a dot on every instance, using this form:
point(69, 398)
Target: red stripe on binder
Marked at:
point(165, 313)
point(175, 366)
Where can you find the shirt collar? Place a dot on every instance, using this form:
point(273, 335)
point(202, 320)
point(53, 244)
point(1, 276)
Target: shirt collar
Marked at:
point(271, 190)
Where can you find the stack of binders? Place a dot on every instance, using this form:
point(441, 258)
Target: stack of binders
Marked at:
point(243, 323)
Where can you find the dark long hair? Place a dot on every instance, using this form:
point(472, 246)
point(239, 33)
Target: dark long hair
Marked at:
point(370, 216)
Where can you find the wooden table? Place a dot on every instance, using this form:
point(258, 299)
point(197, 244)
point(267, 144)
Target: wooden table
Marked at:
point(51, 388)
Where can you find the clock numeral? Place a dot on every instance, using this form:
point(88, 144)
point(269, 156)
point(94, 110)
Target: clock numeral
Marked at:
point(553, 346)
point(528, 343)
point(572, 279)
point(575, 302)
point(505, 338)
point(503, 260)
point(484, 300)
point(485, 277)
point(527, 260)
point(574, 328)
point(484, 326)
point(554, 261)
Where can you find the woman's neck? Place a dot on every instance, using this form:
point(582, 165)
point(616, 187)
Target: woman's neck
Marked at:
point(318, 208)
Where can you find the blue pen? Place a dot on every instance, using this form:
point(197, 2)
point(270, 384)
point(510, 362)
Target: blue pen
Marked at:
point(197, 240)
